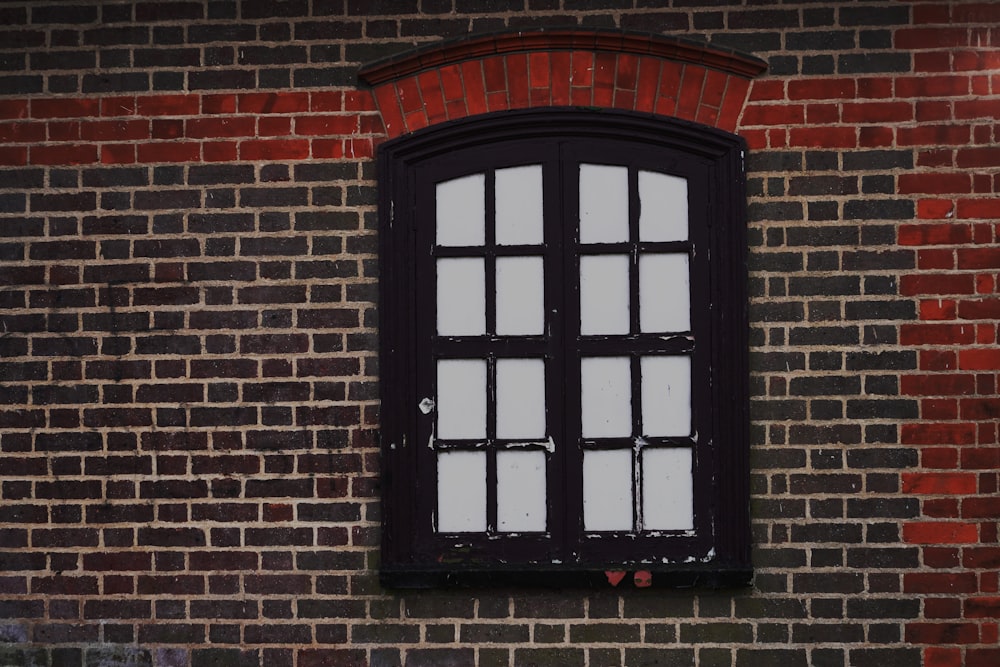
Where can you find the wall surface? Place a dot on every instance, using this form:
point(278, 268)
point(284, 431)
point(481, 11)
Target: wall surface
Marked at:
point(188, 414)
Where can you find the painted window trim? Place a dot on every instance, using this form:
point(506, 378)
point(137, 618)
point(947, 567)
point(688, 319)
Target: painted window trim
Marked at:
point(407, 564)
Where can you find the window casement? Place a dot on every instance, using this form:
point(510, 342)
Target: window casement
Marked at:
point(563, 352)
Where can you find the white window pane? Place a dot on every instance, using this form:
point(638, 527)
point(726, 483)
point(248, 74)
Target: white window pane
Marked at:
point(604, 294)
point(461, 296)
point(666, 396)
point(461, 492)
point(664, 293)
point(521, 398)
point(603, 204)
point(461, 398)
point(667, 495)
point(607, 489)
point(520, 296)
point(663, 212)
point(521, 491)
point(461, 211)
point(606, 397)
point(519, 205)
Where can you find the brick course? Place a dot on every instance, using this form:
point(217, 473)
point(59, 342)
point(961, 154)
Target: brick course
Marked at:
point(189, 468)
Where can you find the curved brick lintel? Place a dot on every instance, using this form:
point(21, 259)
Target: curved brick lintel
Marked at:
point(644, 73)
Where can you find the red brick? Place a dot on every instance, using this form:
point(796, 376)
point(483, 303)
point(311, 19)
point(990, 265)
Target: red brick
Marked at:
point(65, 108)
point(10, 155)
point(172, 151)
point(935, 234)
point(930, 38)
point(333, 100)
point(987, 209)
point(603, 79)
point(212, 104)
point(168, 105)
point(979, 309)
point(327, 125)
point(123, 130)
point(939, 483)
point(934, 183)
point(936, 656)
point(941, 283)
point(825, 137)
point(821, 89)
point(982, 657)
point(877, 112)
point(981, 508)
point(939, 582)
point(773, 114)
point(432, 96)
point(13, 109)
point(940, 532)
point(475, 91)
point(937, 309)
point(217, 128)
point(118, 153)
point(559, 87)
point(63, 154)
point(942, 633)
point(979, 359)
point(936, 334)
point(274, 150)
point(937, 385)
point(267, 103)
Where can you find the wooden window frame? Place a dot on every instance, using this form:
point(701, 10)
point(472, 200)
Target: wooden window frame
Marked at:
point(718, 551)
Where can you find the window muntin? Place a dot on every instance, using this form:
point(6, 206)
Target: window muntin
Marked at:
point(562, 284)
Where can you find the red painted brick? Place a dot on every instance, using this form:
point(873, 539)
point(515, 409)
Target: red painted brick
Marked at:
point(268, 103)
point(65, 108)
point(939, 483)
point(979, 359)
point(941, 283)
point(826, 137)
point(217, 128)
point(822, 89)
point(292, 149)
point(168, 105)
point(939, 582)
point(940, 532)
point(877, 112)
point(935, 656)
point(173, 151)
point(935, 234)
point(346, 125)
point(942, 633)
point(13, 109)
point(63, 154)
point(935, 183)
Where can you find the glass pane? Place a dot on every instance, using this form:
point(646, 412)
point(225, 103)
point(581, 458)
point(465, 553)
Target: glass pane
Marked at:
point(603, 204)
point(461, 296)
point(667, 494)
point(461, 398)
point(664, 293)
point(520, 296)
point(666, 396)
point(521, 398)
point(519, 205)
point(604, 294)
point(461, 211)
point(461, 490)
point(607, 489)
point(606, 397)
point(521, 491)
point(663, 212)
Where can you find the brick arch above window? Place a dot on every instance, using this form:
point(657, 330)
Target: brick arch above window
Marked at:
point(559, 68)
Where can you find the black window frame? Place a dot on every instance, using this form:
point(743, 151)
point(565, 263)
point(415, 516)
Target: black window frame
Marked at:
point(718, 554)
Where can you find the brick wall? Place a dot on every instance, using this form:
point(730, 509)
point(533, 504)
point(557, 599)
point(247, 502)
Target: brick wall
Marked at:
point(188, 423)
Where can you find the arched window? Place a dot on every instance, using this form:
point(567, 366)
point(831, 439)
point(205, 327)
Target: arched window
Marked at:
point(563, 351)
